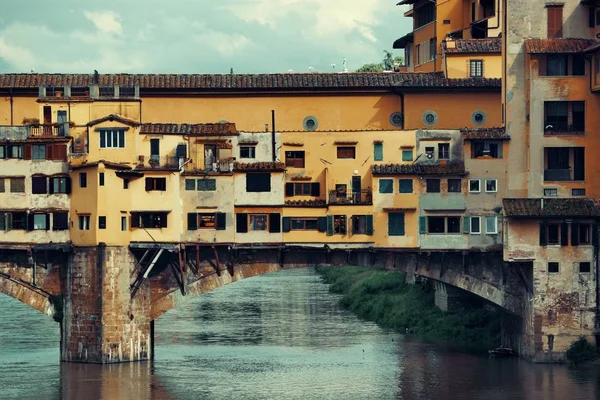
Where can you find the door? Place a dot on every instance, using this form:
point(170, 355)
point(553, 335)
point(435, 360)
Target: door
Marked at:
point(154, 148)
point(47, 120)
point(210, 157)
point(356, 189)
point(61, 119)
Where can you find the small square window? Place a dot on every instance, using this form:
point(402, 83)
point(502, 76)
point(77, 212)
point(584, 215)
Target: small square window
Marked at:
point(475, 225)
point(190, 184)
point(491, 225)
point(454, 185)
point(406, 185)
point(491, 185)
point(346, 152)
point(433, 185)
point(585, 267)
point(444, 151)
point(474, 185)
point(550, 192)
point(101, 179)
point(102, 222)
point(386, 186)
point(553, 267)
point(258, 222)
point(407, 155)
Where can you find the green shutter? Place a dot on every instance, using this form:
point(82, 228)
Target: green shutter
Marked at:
point(396, 224)
point(2, 221)
point(378, 151)
point(286, 222)
point(422, 224)
point(406, 185)
point(190, 184)
point(386, 186)
point(322, 224)
point(407, 155)
point(330, 225)
point(369, 225)
point(466, 224)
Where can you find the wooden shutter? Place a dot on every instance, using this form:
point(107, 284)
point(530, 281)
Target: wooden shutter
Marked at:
point(60, 152)
point(192, 221)
point(289, 189)
point(135, 220)
point(564, 234)
point(39, 185)
point(574, 234)
point(47, 221)
point(27, 152)
point(221, 221)
point(467, 224)
point(149, 184)
point(315, 189)
point(275, 222)
point(163, 220)
point(50, 151)
point(555, 22)
point(543, 234)
point(241, 222)
point(287, 224)
point(322, 224)
point(29, 222)
point(68, 185)
point(422, 224)
point(330, 225)
point(161, 184)
point(369, 225)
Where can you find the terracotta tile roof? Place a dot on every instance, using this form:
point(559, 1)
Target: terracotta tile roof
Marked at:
point(113, 117)
point(544, 46)
point(365, 80)
point(592, 47)
point(551, 208)
point(107, 164)
point(485, 133)
point(454, 168)
point(218, 129)
point(305, 203)
point(259, 167)
point(491, 45)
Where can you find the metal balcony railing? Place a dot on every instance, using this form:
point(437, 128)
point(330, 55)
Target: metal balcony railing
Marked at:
point(365, 196)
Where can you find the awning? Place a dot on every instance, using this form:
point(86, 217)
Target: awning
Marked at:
point(401, 43)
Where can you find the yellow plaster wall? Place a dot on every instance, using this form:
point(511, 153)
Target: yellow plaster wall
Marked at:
point(84, 201)
point(457, 65)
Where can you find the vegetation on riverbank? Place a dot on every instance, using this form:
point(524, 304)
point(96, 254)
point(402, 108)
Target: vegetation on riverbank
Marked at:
point(384, 297)
point(581, 351)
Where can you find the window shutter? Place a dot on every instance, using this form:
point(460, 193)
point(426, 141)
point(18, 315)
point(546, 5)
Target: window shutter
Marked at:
point(51, 185)
point(60, 152)
point(466, 224)
point(369, 225)
point(287, 224)
point(378, 151)
point(289, 189)
point(162, 184)
point(27, 152)
point(68, 184)
point(330, 225)
point(422, 224)
point(9, 222)
point(192, 221)
point(322, 224)
point(241, 220)
point(564, 234)
point(149, 185)
point(595, 234)
point(47, 221)
point(275, 222)
point(135, 220)
point(315, 189)
point(543, 235)
point(221, 221)
point(574, 234)
point(50, 151)
point(163, 220)
point(29, 222)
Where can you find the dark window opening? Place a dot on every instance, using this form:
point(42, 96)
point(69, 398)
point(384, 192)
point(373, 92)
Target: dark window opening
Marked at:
point(553, 234)
point(148, 219)
point(359, 224)
point(303, 224)
point(585, 267)
point(453, 224)
point(406, 185)
point(60, 221)
point(82, 179)
point(346, 152)
point(436, 225)
point(101, 178)
point(444, 151)
point(247, 152)
point(433, 185)
point(154, 148)
point(294, 159)
point(38, 185)
point(553, 267)
point(454, 185)
point(102, 222)
point(564, 116)
point(485, 148)
point(125, 183)
point(339, 224)
point(258, 182)
point(424, 15)
point(159, 184)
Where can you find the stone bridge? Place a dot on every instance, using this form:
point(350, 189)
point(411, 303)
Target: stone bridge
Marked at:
point(107, 298)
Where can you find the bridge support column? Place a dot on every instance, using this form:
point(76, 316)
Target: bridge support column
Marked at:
point(449, 298)
point(101, 324)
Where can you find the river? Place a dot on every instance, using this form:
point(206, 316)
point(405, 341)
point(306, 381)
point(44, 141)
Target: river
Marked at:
point(277, 336)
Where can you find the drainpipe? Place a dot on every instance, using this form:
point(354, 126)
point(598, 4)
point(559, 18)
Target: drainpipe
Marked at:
point(11, 106)
point(273, 135)
point(403, 110)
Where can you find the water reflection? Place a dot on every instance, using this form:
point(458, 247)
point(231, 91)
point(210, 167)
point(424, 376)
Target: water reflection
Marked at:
point(275, 336)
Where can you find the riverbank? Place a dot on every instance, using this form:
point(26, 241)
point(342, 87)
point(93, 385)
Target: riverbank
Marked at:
point(385, 298)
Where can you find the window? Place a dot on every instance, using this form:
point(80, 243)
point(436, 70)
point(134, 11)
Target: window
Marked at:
point(84, 222)
point(2, 152)
point(550, 233)
point(433, 185)
point(339, 224)
point(578, 192)
point(247, 152)
point(346, 152)
point(454, 185)
point(564, 117)
point(553, 267)
point(424, 15)
point(564, 164)
point(207, 185)
point(101, 179)
point(123, 224)
point(258, 222)
point(159, 184)
point(82, 179)
point(555, 22)
point(60, 221)
point(429, 152)
point(432, 48)
point(190, 184)
point(581, 234)
point(40, 222)
point(155, 219)
point(112, 138)
point(491, 225)
point(578, 61)
point(406, 185)
point(362, 224)
point(453, 224)
point(551, 192)
point(14, 151)
point(396, 224)
point(302, 189)
point(126, 183)
point(585, 267)
point(486, 148)
point(386, 186)
point(491, 185)
point(550, 342)
point(303, 224)
point(38, 185)
point(476, 68)
point(475, 225)
point(407, 155)
point(556, 64)
point(207, 221)
point(474, 185)
point(154, 148)
point(436, 224)
point(295, 159)
point(444, 151)
point(2, 185)
point(258, 182)
point(102, 222)
point(439, 225)
point(17, 185)
point(60, 184)
point(38, 152)
point(378, 151)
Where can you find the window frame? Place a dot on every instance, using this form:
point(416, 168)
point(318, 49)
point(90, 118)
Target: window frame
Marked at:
point(20, 185)
point(405, 181)
point(453, 181)
point(35, 152)
point(103, 136)
point(433, 181)
point(443, 151)
point(387, 188)
point(43, 218)
point(589, 267)
point(495, 181)
point(555, 267)
point(346, 152)
point(295, 158)
point(472, 219)
point(250, 151)
point(476, 68)
point(478, 190)
point(252, 221)
point(83, 222)
point(407, 154)
point(294, 222)
point(256, 185)
point(493, 218)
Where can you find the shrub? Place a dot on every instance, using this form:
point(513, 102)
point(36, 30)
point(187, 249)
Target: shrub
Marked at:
point(581, 351)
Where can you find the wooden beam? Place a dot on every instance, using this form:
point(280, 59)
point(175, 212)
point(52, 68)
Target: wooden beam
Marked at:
point(141, 260)
point(178, 278)
point(197, 259)
point(218, 266)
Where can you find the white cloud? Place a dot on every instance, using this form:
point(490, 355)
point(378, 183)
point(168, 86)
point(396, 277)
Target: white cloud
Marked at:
point(16, 56)
point(105, 21)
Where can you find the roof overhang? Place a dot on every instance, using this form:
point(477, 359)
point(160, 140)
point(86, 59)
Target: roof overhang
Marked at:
point(401, 42)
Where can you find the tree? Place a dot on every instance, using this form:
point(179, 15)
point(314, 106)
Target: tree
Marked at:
point(388, 63)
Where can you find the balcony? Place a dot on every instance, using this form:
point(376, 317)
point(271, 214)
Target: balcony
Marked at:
point(563, 129)
point(49, 130)
point(557, 175)
point(365, 197)
point(159, 162)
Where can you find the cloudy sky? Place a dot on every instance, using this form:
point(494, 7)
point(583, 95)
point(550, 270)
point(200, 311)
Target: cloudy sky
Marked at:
point(196, 36)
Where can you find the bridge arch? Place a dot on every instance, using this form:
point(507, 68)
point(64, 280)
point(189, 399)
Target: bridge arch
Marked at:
point(27, 294)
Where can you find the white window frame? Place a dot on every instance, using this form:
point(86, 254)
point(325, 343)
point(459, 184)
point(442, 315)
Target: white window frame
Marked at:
point(493, 218)
point(478, 185)
point(547, 192)
point(495, 185)
point(471, 231)
point(84, 222)
point(114, 138)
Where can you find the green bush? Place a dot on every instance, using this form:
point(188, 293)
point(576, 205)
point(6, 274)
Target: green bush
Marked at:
point(384, 297)
point(581, 351)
